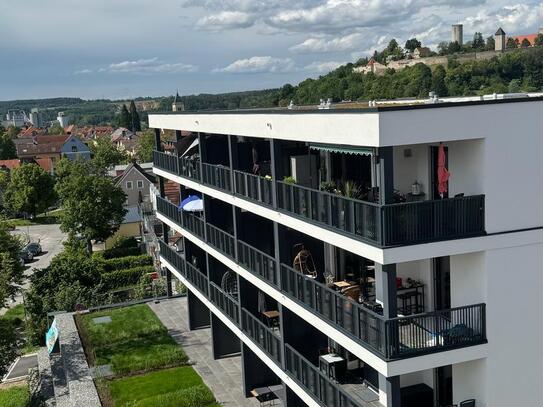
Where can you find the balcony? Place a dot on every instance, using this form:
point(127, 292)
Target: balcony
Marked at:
point(379, 225)
point(395, 338)
point(318, 385)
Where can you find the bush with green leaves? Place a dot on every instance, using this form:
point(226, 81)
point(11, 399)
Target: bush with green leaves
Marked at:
point(126, 262)
point(125, 277)
point(118, 252)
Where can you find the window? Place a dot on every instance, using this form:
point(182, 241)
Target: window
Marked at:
point(140, 184)
point(74, 149)
point(128, 184)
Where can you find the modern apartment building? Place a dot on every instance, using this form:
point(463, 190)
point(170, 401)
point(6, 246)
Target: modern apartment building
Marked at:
point(336, 256)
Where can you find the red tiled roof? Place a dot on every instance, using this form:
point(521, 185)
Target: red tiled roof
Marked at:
point(30, 131)
point(45, 139)
point(529, 37)
point(11, 164)
point(45, 163)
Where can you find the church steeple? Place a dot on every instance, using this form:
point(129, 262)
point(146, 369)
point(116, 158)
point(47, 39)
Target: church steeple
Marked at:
point(177, 105)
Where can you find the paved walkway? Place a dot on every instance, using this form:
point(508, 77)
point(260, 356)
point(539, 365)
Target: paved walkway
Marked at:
point(222, 376)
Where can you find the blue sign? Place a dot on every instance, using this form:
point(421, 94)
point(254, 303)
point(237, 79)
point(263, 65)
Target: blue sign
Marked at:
point(51, 337)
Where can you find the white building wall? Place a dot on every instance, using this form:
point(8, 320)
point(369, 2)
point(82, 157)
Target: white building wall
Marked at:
point(466, 165)
point(407, 170)
point(420, 270)
point(468, 279)
point(424, 376)
point(469, 382)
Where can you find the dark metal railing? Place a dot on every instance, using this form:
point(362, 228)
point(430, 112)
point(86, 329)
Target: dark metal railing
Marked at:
point(323, 389)
point(194, 224)
point(226, 303)
point(438, 330)
point(331, 305)
point(174, 258)
point(166, 162)
point(196, 277)
point(379, 225)
point(441, 219)
point(263, 336)
point(258, 262)
point(221, 240)
point(189, 168)
point(169, 210)
point(254, 187)
point(389, 338)
point(351, 216)
point(217, 176)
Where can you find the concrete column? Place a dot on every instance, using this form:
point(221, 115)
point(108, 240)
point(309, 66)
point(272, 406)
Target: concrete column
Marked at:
point(276, 168)
point(224, 342)
point(389, 391)
point(385, 288)
point(255, 372)
point(199, 314)
point(386, 175)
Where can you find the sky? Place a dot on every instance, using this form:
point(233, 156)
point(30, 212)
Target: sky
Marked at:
point(121, 49)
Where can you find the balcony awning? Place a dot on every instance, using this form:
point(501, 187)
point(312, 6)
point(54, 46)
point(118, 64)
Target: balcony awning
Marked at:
point(334, 148)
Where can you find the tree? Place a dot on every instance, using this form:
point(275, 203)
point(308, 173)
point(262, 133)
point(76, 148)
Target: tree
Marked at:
point(135, 122)
point(412, 44)
point(7, 147)
point(30, 190)
point(511, 43)
point(490, 44)
point(438, 81)
point(525, 43)
point(93, 205)
point(124, 119)
point(56, 129)
point(539, 40)
point(11, 272)
point(145, 146)
point(105, 154)
point(514, 86)
point(478, 42)
point(8, 345)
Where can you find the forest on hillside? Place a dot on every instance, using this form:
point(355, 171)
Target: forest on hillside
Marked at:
point(516, 71)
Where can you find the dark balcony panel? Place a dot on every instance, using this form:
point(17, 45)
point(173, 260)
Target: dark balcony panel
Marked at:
point(320, 386)
point(258, 263)
point(169, 210)
point(189, 168)
point(334, 211)
point(441, 219)
point(194, 224)
point(435, 331)
point(217, 176)
point(227, 304)
point(264, 337)
point(197, 278)
point(166, 162)
point(254, 187)
point(222, 241)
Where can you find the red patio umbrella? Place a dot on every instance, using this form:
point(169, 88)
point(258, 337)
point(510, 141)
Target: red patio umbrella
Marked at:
point(442, 173)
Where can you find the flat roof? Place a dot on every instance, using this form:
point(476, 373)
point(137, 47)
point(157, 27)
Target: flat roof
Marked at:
point(377, 106)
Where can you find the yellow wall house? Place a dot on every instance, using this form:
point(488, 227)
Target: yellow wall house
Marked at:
point(131, 226)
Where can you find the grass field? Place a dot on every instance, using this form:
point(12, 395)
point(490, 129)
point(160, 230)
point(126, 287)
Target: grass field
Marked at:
point(179, 386)
point(16, 396)
point(135, 340)
point(41, 219)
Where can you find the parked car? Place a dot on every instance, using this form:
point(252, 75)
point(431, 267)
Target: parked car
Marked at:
point(26, 255)
point(34, 248)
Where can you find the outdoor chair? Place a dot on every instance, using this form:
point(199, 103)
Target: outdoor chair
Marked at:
point(303, 262)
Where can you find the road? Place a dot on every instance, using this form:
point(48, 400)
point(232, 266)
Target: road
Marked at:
point(50, 238)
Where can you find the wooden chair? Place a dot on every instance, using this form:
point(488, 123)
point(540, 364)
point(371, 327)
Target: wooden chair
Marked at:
point(353, 292)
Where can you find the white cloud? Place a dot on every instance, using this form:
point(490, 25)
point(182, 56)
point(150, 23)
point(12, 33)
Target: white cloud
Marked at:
point(83, 72)
point(323, 67)
point(225, 20)
point(509, 17)
point(318, 45)
point(260, 65)
point(151, 65)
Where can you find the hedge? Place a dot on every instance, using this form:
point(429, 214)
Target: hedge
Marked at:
point(120, 252)
point(124, 278)
point(126, 262)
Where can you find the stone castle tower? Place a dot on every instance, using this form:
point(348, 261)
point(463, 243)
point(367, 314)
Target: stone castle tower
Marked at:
point(458, 34)
point(500, 39)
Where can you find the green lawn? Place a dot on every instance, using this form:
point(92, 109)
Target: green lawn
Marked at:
point(16, 396)
point(179, 387)
point(41, 219)
point(135, 340)
point(16, 316)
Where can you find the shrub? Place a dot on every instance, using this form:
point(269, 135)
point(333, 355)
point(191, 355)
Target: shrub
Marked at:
point(120, 252)
point(126, 262)
point(196, 396)
point(125, 277)
point(123, 242)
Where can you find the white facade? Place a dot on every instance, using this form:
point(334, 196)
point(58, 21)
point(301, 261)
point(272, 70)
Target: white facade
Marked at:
point(494, 150)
